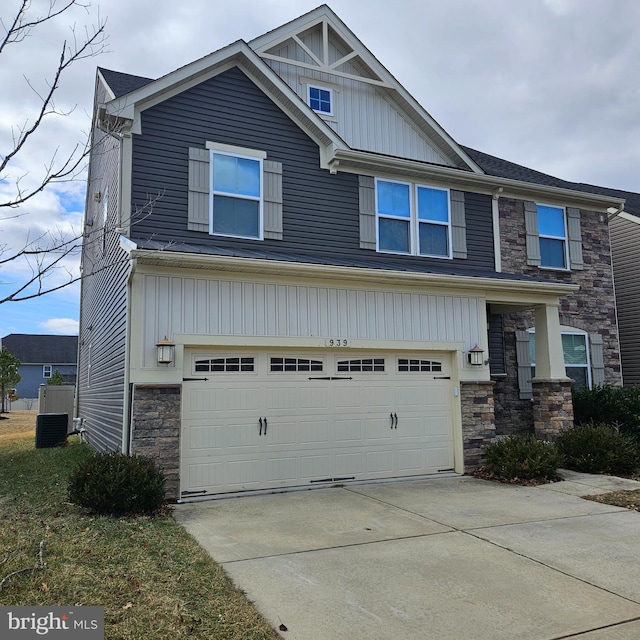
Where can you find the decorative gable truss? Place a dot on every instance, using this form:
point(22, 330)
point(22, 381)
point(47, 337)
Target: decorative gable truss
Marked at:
point(342, 81)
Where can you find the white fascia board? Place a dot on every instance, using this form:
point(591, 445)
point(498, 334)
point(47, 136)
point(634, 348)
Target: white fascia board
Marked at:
point(629, 216)
point(237, 54)
point(518, 292)
point(100, 78)
point(352, 161)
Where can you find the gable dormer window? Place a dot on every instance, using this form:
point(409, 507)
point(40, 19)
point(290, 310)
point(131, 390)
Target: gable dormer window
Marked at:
point(320, 99)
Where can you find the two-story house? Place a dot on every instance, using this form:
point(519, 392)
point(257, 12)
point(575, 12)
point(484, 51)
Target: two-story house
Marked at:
point(295, 277)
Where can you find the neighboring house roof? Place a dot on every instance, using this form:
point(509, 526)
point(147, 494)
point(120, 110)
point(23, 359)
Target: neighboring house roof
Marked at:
point(498, 167)
point(42, 349)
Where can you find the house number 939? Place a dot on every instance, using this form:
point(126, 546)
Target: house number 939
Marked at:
point(337, 342)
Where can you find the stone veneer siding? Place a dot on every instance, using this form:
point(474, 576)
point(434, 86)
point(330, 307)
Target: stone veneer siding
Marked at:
point(478, 425)
point(155, 425)
point(552, 408)
point(591, 308)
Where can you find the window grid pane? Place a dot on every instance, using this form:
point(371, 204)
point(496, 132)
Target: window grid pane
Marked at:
point(434, 239)
point(362, 365)
point(225, 365)
point(320, 99)
point(414, 365)
point(279, 365)
point(393, 235)
point(433, 205)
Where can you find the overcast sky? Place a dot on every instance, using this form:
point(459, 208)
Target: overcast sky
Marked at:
point(550, 84)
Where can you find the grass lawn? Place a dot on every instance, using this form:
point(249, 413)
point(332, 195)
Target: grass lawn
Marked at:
point(149, 574)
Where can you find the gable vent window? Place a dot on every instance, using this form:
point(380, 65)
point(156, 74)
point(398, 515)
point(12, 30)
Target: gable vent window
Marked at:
point(360, 366)
point(281, 365)
point(320, 100)
point(411, 365)
point(225, 365)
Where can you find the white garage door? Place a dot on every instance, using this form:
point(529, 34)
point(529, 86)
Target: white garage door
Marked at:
point(268, 419)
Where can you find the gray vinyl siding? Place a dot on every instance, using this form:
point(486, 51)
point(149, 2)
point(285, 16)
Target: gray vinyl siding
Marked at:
point(320, 210)
point(100, 399)
point(625, 240)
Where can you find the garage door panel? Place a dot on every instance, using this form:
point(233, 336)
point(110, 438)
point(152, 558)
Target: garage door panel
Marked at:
point(281, 469)
point(349, 464)
point(439, 457)
point(411, 460)
point(378, 429)
point(318, 429)
point(348, 431)
point(315, 467)
point(380, 461)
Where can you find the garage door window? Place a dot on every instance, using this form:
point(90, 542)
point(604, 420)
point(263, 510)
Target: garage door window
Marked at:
point(362, 365)
point(411, 365)
point(225, 365)
point(285, 365)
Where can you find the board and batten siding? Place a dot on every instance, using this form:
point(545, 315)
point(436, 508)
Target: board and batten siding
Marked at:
point(365, 117)
point(226, 307)
point(320, 210)
point(101, 343)
point(625, 240)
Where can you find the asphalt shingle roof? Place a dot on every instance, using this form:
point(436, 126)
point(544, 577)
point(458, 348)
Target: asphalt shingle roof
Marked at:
point(42, 349)
point(123, 83)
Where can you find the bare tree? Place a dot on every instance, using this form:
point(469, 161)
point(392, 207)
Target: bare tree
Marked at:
point(44, 251)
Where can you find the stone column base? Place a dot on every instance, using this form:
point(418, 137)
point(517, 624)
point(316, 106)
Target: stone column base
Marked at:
point(552, 407)
point(155, 430)
point(478, 420)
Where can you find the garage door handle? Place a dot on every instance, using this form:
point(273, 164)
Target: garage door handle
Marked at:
point(260, 421)
point(265, 426)
point(394, 420)
point(395, 415)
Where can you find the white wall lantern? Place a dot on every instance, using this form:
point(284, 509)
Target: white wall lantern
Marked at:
point(166, 350)
point(476, 356)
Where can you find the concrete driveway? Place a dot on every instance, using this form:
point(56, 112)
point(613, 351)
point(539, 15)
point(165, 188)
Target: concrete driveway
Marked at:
point(446, 558)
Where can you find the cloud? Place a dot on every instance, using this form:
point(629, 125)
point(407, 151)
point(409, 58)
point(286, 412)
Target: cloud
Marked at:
point(61, 326)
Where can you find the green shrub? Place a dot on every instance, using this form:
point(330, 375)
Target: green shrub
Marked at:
point(522, 457)
point(117, 484)
point(599, 448)
point(609, 405)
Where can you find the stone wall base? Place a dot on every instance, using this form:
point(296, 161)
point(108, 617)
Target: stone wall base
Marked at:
point(478, 420)
point(155, 430)
point(552, 407)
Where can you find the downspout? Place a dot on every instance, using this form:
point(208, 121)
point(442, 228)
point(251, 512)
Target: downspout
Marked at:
point(128, 395)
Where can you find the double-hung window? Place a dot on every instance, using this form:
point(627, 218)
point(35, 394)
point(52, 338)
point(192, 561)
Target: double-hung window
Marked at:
point(576, 357)
point(47, 370)
point(413, 219)
point(236, 195)
point(552, 231)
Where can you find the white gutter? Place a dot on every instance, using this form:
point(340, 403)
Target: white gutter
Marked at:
point(449, 282)
point(374, 164)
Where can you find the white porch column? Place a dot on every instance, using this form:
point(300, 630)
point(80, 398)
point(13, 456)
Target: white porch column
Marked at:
point(549, 356)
